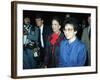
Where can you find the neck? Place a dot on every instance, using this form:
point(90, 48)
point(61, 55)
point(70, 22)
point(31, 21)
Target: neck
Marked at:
point(41, 26)
point(72, 40)
point(27, 24)
point(57, 32)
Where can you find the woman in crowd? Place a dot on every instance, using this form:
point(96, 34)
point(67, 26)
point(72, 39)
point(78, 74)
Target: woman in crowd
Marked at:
point(53, 44)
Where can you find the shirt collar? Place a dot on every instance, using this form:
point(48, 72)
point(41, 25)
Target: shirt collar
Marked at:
point(72, 40)
point(66, 41)
point(41, 26)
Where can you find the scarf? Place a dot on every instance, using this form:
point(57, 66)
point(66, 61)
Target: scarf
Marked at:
point(54, 38)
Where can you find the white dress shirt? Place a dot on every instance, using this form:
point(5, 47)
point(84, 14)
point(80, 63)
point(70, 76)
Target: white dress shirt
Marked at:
point(41, 37)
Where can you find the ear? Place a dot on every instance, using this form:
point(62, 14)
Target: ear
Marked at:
point(59, 26)
point(75, 32)
point(42, 21)
point(64, 31)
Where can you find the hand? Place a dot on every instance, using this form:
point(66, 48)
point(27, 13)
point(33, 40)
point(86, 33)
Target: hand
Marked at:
point(45, 66)
point(25, 32)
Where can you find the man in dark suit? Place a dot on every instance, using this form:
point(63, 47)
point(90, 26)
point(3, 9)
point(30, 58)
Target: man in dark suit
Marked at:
point(44, 32)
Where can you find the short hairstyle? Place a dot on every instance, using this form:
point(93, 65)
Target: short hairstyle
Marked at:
point(57, 19)
point(26, 18)
point(39, 16)
point(71, 21)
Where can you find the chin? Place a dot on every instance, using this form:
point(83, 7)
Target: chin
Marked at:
point(68, 38)
point(54, 31)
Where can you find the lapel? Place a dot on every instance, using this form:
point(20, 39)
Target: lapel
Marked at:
point(43, 31)
point(87, 33)
point(61, 37)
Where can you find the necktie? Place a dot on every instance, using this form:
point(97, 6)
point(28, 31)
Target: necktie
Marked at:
point(39, 39)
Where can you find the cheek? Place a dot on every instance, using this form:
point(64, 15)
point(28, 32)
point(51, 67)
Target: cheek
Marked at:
point(54, 27)
point(68, 34)
point(38, 22)
point(65, 33)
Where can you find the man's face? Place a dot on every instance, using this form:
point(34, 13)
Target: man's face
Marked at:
point(27, 21)
point(69, 31)
point(39, 22)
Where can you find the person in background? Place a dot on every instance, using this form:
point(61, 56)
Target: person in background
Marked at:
point(53, 44)
point(44, 32)
point(72, 51)
point(67, 16)
point(30, 45)
point(86, 38)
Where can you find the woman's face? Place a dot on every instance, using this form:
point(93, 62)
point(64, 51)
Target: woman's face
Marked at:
point(69, 31)
point(55, 26)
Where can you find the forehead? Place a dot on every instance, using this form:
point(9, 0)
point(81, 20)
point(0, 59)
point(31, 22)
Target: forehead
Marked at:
point(54, 21)
point(69, 26)
point(38, 19)
point(27, 19)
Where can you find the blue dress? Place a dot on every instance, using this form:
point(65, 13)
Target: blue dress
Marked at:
point(73, 54)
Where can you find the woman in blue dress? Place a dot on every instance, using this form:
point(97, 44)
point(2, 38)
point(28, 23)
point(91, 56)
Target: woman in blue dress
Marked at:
point(72, 51)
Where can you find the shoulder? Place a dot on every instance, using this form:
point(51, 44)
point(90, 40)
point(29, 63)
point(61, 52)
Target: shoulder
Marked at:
point(85, 29)
point(45, 27)
point(36, 28)
point(80, 44)
point(61, 36)
point(49, 37)
point(63, 42)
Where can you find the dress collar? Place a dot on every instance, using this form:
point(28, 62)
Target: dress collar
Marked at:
point(67, 42)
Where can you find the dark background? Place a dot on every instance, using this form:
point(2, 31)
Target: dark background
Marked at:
point(47, 17)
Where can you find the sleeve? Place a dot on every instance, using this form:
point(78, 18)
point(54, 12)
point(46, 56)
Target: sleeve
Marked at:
point(34, 35)
point(60, 56)
point(81, 59)
point(46, 58)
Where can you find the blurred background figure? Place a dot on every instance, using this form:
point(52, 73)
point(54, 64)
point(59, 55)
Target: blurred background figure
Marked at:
point(84, 25)
point(30, 45)
point(67, 16)
point(86, 38)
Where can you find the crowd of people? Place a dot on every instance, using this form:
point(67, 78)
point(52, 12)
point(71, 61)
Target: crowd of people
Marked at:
point(55, 46)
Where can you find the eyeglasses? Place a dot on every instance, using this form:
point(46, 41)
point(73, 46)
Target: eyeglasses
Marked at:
point(69, 29)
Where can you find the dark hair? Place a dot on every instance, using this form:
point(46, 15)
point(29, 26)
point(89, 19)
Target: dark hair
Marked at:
point(71, 21)
point(39, 16)
point(57, 19)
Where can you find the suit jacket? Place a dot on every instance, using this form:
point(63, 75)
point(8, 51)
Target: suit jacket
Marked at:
point(46, 32)
point(51, 60)
point(33, 35)
point(86, 40)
